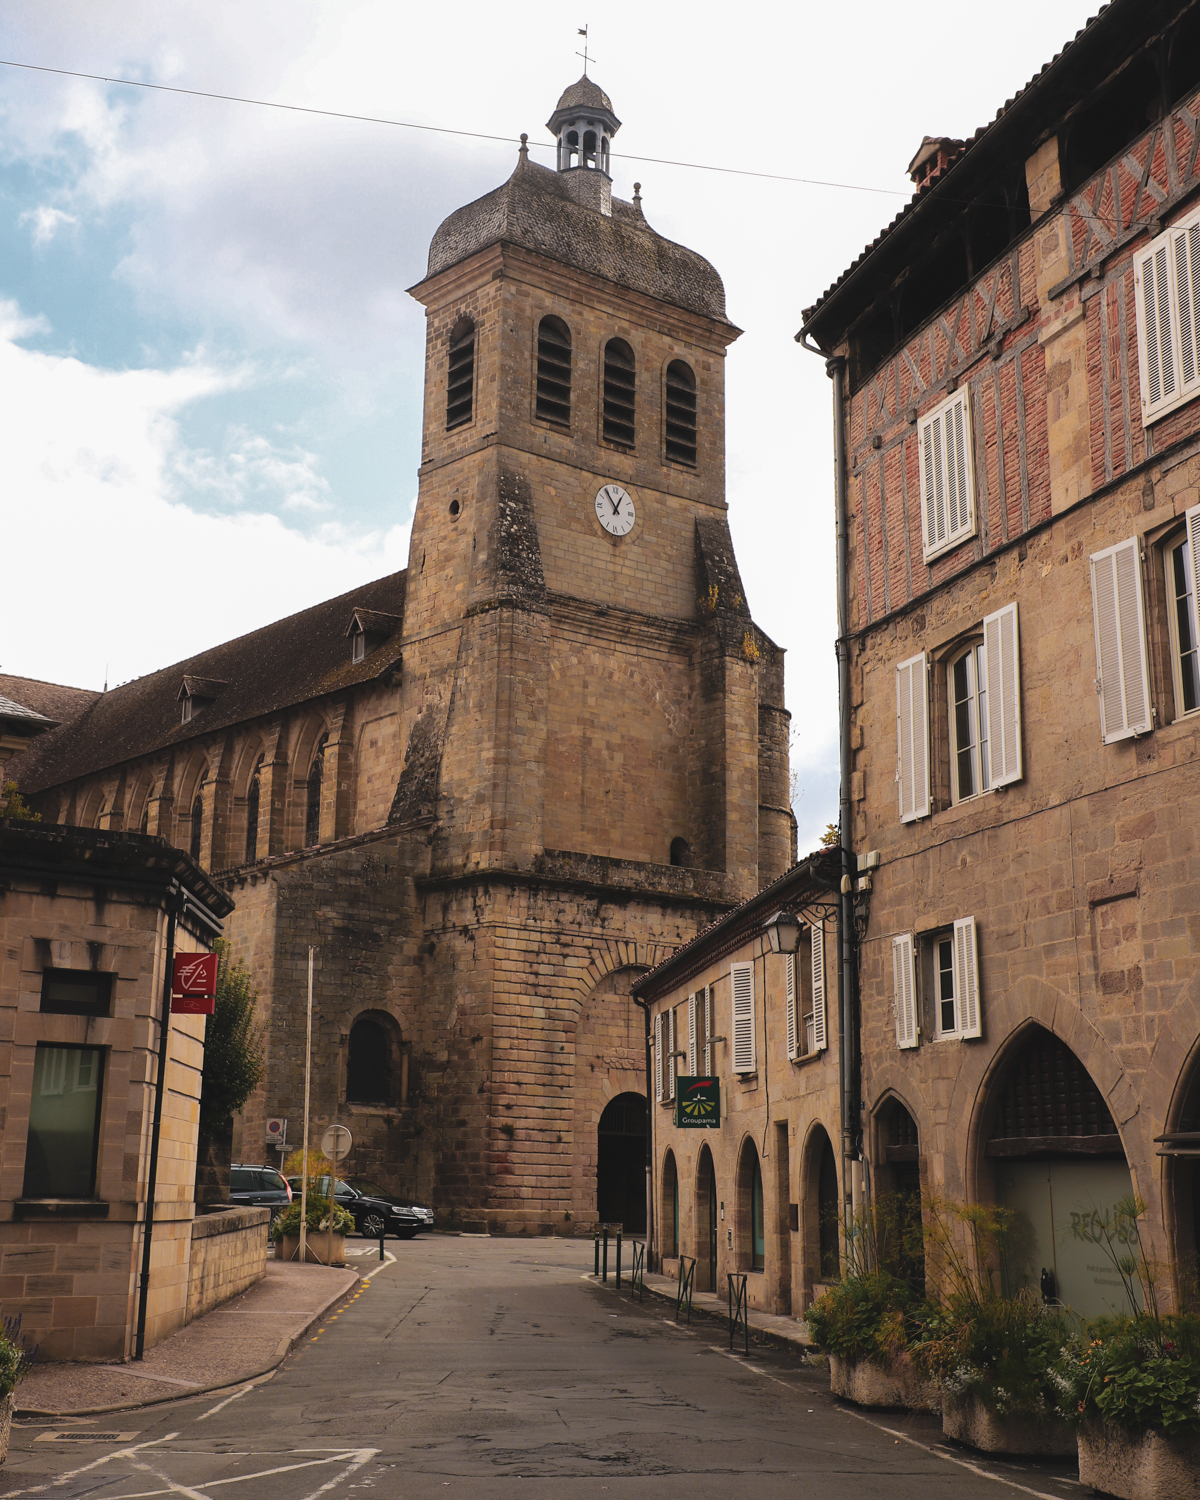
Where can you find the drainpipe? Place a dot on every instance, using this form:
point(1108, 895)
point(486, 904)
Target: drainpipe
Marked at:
point(645, 1005)
point(164, 1035)
point(848, 1059)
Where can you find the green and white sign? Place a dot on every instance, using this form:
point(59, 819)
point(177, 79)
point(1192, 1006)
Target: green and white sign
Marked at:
point(698, 1103)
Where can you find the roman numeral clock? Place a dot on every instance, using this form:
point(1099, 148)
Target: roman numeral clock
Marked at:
point(614, 510)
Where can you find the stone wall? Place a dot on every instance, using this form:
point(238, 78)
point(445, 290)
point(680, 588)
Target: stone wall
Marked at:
point(228, 1254)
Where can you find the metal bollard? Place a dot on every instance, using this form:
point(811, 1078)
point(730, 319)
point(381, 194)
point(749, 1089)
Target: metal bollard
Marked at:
point(604, 1256)
point(596, 1272)
point(618, 1260)
point(382, 1236)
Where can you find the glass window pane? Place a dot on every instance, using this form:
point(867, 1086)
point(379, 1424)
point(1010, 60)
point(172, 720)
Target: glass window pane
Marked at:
point(756, 1214)
point(64, 1120)
point(74, 992)
point(1185, 635)
point(946, 984)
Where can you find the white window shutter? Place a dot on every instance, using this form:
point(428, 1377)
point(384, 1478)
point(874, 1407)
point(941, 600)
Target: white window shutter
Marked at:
point(1156, 342)
point(708, 1029)
point(691, 1013)
point(744, 1054)
point(820, 1031)
point(1002, 650)
point(1185, 243)
point(1192, 518)
point(966, 977)
point(671, 1049)
point(933, 483)
point(947, 474)
point(789, 962)
point(1122, 666)
point(912, 737)
point(905, 981)
point(659, 1050)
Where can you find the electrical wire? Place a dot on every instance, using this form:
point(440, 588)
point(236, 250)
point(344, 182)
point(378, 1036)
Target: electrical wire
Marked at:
point(478, 135)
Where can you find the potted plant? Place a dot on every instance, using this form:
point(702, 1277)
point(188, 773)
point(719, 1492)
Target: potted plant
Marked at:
point(993, 1353)
point(863, 1322)
point(321, 1246)
point(1133, 1383)
point(14, 1363)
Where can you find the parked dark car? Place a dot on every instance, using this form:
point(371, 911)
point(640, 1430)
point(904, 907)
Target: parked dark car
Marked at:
point(373, 1190)
point(372, 1214)
point(259, 1187)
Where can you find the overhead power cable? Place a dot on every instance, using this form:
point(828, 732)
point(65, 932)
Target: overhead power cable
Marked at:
point(478, 135)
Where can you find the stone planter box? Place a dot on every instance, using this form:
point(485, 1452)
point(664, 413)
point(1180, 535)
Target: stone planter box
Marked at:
point(972, 1423)
point(6, 1411)
point(1139, 1465)
point(316, 1246)
point(865, 1384)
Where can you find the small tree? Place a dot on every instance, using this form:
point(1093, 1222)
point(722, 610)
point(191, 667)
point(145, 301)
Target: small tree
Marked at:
point(13, 805)
point(233, 1068)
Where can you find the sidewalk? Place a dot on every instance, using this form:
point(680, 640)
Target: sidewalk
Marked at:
point(244, 1337)
point(792, 1332)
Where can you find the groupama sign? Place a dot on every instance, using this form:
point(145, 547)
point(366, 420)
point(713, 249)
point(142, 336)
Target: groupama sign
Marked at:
point(698, 1103)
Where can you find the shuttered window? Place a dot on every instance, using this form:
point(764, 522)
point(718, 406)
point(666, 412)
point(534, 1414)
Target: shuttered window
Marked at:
point(680, 434)
point(1167, 296)
point(819, 1039)
point(672, 1061)
point(693, 1006)
point(1181, 559)
point(660, 1051)
point(460, 376)
point(745, 1058)
point(708, 1029)
point(1002, 654)
point(966, 977)
point(1122, 667)
point(793, 1020)
point(904, 981)
point(947, 475)
point(554, 371)
point(619, 392)
point(912, 732)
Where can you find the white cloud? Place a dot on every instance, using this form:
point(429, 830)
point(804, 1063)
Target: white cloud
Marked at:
point(46, 222)
point(140, 579)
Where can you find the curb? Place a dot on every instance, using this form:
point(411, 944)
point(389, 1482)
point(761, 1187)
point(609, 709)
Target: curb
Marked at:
point(283, 1349)
point(811, 1356)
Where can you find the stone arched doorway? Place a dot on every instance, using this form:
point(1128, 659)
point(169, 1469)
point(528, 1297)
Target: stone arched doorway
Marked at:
point(1057, 1162)
point(705, 1220)
point(1180, 1149)
point(621, 1163)
point(898, 1230)
point(820, 1217)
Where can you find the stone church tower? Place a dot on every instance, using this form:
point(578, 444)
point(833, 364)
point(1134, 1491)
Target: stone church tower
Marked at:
point(493, 789)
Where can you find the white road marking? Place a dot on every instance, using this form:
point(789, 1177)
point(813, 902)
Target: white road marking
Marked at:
point(172, 1487)
point(391, 1261)
point(221, 1405)
point(903, 1437)
point(40, 1489)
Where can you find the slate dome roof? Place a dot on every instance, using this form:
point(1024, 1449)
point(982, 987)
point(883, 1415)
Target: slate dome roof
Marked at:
point(585, 93)
point(536, 210)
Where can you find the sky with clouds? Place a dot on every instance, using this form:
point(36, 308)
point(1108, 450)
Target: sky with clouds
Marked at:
point(211, 369)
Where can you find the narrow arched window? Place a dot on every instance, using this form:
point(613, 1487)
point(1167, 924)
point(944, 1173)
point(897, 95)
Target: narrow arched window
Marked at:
point(554, 371)
point(197, 824)
point(369, 1065)
point(758, 1242)
point(681, 413)
point(460, 378)
point(312, 814)
point(619, 390)
point(252, 792)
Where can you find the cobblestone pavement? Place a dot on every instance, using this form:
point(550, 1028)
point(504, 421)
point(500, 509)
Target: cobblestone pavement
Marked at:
point(495, 1368)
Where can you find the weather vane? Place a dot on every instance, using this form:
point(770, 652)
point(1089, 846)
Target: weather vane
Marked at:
point(583, 31)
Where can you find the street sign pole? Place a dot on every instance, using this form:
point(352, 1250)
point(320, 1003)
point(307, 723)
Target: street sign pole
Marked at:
point(304, 1142)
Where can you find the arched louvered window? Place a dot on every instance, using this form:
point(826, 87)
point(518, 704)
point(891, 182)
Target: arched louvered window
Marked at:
point(460, 378)
point(312, 813)
point(252, 793)
point(554, 371)
point(619, 389)
point(681, 413)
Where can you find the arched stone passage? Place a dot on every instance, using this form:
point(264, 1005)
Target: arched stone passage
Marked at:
point(898, 1193)
point(609, 1060)
point(705, 1220)
point(621, 1163)
point(820, 1220)
point(669, 1207)
point(1181, 1184)
point(374, 1060)
point(750, 1222)
point(1055, 1159)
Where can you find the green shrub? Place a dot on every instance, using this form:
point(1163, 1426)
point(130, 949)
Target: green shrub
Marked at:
point(1000, 1350)
point(14, 1360)
point(863, 1317)
point(1134, 1373)
point(316, 1220)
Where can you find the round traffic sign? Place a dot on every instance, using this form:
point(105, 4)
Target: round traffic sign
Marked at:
point(336, 1143)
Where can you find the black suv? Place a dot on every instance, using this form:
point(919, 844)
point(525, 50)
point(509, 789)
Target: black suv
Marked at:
point(373, 1214)
point(259, 1187)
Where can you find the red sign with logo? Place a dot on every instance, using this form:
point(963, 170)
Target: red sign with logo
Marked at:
point(194, 984)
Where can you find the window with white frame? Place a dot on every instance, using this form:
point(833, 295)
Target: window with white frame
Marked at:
point(664, 1056)
point(966, 690)
point(949, 983)
point(1167, 295)
point(947, 474)
point(1181, 562)
point(983, 691)
point(1122, 662)
point(705, 1001)
point(807, 1031)
point(745, 1054)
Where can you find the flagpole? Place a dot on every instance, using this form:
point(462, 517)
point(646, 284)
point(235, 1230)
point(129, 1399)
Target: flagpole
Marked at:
point(307, 1079)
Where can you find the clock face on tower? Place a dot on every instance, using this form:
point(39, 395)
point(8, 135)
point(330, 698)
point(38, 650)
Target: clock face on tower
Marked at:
point(614, 510)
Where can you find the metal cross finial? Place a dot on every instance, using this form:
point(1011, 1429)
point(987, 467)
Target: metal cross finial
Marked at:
point(583, 31)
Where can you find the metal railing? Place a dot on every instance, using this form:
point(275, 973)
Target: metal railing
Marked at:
point(683, 1296)
point(637, 1271)
point(739, 1310)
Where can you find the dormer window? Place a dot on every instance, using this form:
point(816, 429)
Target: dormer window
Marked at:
point(195, 694)
point(368, 629)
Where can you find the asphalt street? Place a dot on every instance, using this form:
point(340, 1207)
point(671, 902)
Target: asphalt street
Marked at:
point(493, 1368)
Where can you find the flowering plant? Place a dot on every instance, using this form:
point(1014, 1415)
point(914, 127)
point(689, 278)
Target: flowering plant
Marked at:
point(862, 1317)
point(1134, 1373)
point(316, 1220)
